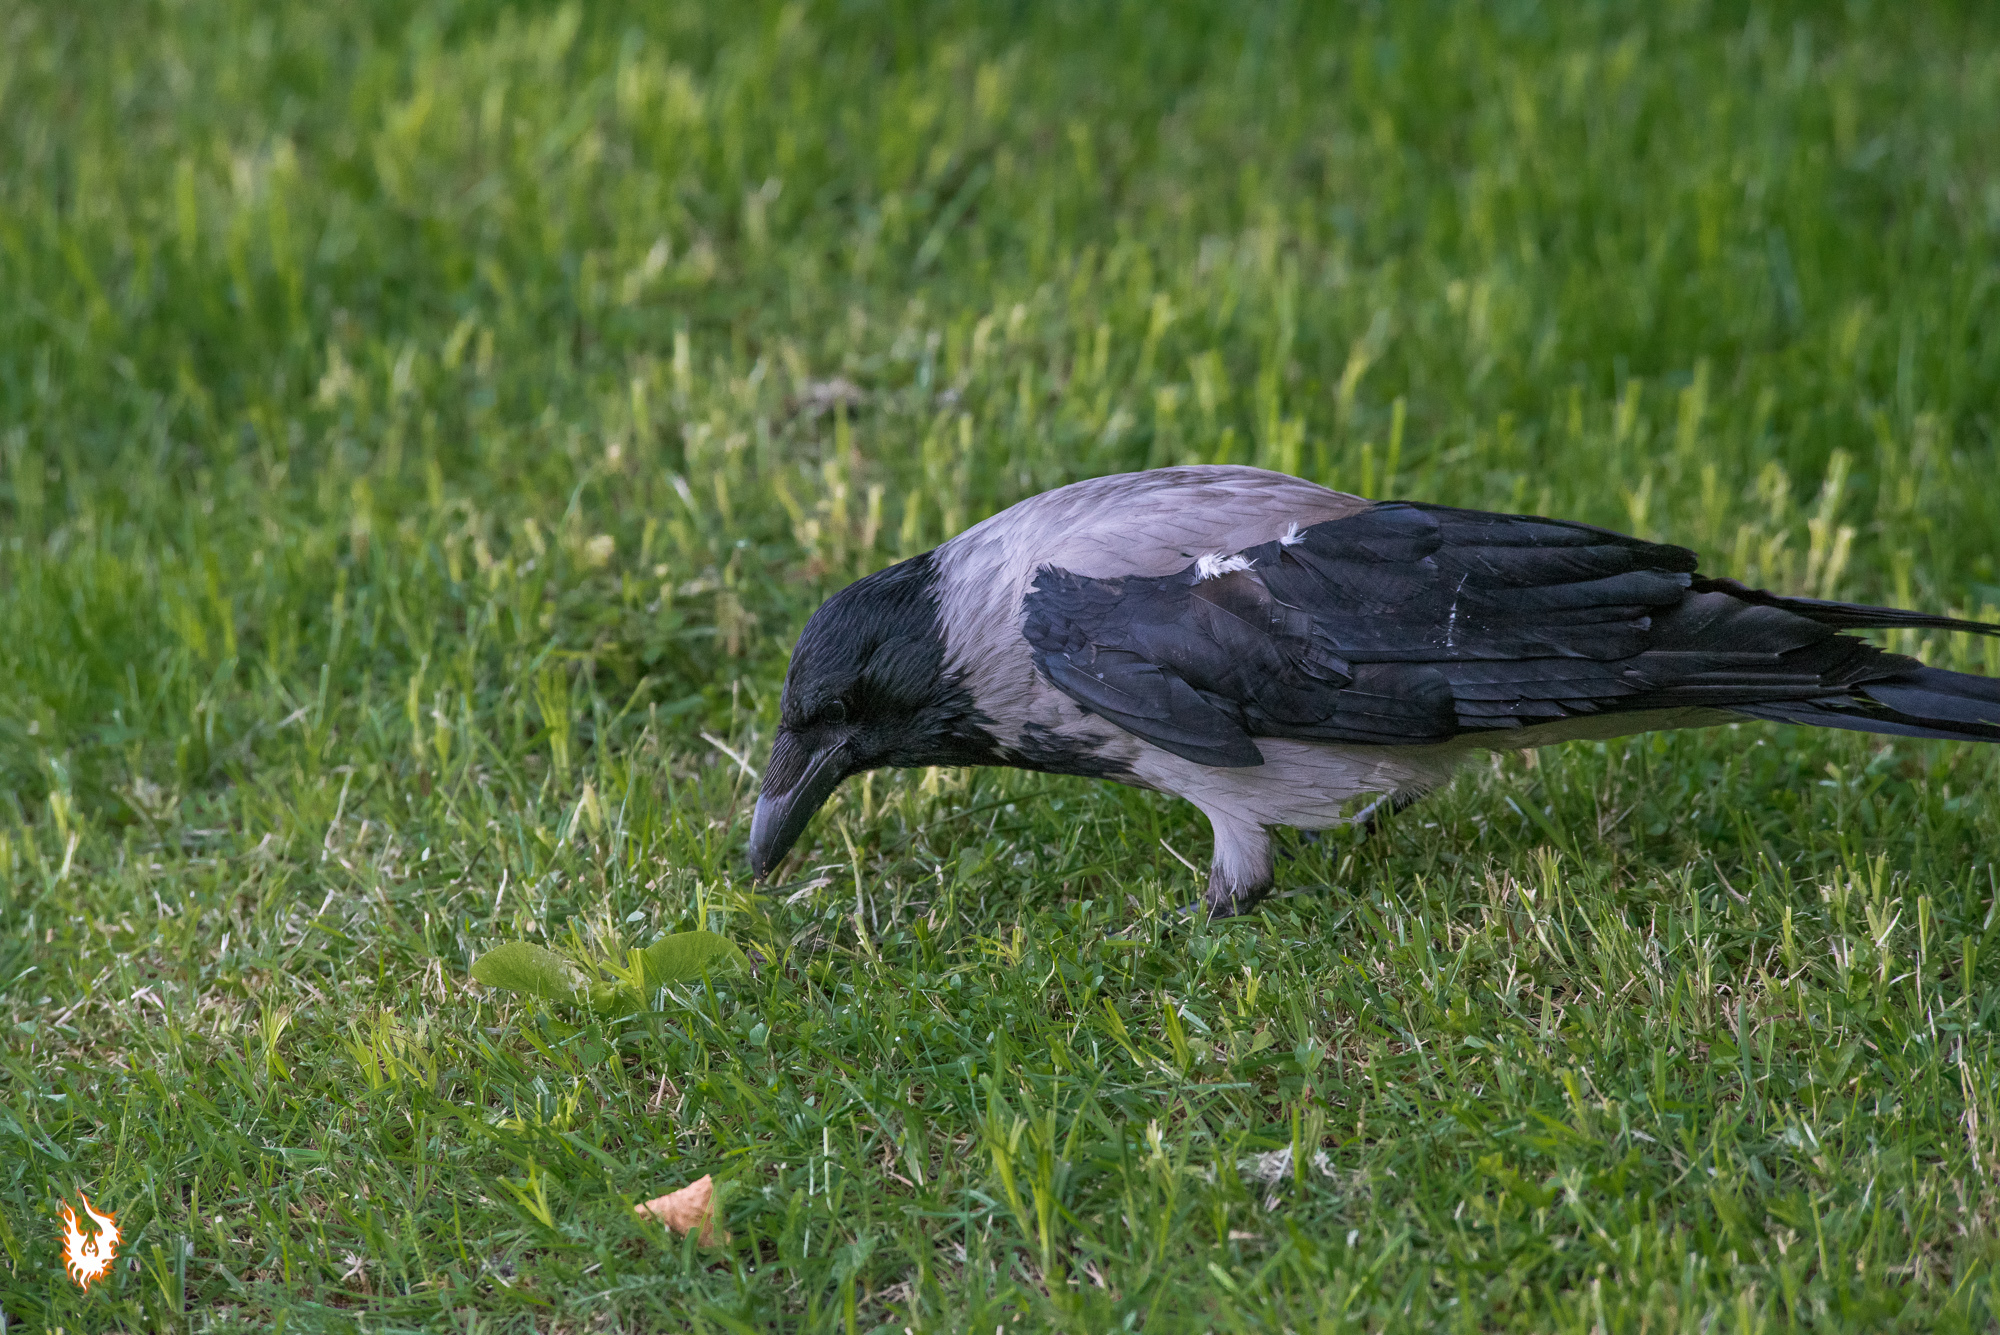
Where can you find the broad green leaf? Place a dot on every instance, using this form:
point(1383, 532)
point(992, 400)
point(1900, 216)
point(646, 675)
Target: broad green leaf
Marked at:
point(682, 958)
point(607, 999)
point(521, 967)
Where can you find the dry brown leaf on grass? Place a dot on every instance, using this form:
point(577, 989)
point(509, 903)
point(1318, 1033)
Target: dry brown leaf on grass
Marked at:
point(690, 1208)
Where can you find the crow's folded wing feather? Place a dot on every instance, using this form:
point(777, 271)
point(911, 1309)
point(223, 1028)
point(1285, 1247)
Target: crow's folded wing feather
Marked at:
point(1410, 624)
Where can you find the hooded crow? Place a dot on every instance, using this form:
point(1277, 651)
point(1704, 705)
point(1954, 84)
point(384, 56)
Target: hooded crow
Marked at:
point(1272, 651)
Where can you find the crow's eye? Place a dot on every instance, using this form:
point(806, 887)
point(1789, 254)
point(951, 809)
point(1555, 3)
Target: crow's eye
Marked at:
point(833, 711)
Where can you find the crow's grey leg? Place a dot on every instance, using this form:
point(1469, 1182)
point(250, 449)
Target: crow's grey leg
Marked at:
point(1371, 817)
point(1230, 899)
point(1240, 873)
point(1238, 882)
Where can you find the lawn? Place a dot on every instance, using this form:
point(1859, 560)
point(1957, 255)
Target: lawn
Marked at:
point(424, 428)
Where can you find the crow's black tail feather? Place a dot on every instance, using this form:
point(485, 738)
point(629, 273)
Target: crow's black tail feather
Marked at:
point(1914, 702)
point(1922, 702)
point(1842, 616)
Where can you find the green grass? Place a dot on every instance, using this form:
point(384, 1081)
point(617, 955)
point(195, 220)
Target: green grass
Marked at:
point(421, 432)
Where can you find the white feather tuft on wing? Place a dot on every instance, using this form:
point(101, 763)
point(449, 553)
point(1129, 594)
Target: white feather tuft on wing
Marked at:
point(1216, 564)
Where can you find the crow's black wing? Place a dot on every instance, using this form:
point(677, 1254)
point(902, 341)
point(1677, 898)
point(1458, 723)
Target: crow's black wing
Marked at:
point(1409, 624)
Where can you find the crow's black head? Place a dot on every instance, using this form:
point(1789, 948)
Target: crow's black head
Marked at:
point(867, 688)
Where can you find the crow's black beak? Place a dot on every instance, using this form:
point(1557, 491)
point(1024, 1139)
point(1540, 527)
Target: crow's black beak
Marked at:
point(797, 781)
